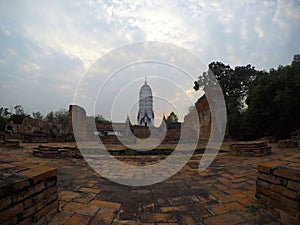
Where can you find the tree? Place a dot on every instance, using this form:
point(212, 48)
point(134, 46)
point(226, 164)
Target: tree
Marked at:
point(172, 118)
point(274, 102)
point(50, 116)
point(19, 114)
point(37, 115)
point(4, 113)
point(61, 116)
point(19, 110)
point(100, 119)
point(234, 84)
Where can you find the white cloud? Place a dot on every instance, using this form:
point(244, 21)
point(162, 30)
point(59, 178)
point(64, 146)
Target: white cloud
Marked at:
point(52, 43)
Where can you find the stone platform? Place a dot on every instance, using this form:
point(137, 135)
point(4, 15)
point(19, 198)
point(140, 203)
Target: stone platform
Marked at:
point(287, 143)
point(58, 151)
point(251, 148)
point(222, 194)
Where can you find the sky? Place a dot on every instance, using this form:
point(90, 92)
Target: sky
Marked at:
point(47, 48)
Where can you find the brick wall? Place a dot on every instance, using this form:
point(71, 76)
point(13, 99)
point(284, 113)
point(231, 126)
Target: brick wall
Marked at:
point(251, 148)
point(28, 193)
point(278, 188)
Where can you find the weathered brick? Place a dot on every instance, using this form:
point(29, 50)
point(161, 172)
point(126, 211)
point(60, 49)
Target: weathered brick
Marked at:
point(27, 203)
point(226, 219)
point(39, 173)
point(287, 219)
point(288, 173)
point(23, 194)
point(103, 204)
point(269, 193)
point(157, 218)
point(51, 198)
point(169, 209)
point(11, 212)
point(43, 212)
point(263, 183)
point(277, 188)
point(290, 203)
point(5, 202)
point(51, 182)
point(187, 219)
point(39, 197)
point(222, 209)
point(90, 190)
point(267, 167)
point(290, 194)
point(293, 185)
point(27, 221)
point(78, 220)
point(269, 178)
point(33, 209)
point(104, 216)
point(39, 187)
point(51, 190)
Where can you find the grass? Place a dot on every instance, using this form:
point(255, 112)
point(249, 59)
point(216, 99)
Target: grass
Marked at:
point(252, 209)
point(162, 156)
point(130, 152)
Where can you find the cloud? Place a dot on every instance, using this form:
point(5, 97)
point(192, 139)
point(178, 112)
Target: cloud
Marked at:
point(46, 46)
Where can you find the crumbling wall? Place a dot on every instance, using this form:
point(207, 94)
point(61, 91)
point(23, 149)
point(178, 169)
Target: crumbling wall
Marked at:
point(278, 188)
point(28, 193)
point(203, 118)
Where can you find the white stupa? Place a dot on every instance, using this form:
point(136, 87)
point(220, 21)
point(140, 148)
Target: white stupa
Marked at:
point(145, 115)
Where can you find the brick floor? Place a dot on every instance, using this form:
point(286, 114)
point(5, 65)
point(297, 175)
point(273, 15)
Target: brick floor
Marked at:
point(222, 194)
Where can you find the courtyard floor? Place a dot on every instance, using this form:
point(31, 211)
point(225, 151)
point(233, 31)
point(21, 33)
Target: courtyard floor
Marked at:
point(222, 194)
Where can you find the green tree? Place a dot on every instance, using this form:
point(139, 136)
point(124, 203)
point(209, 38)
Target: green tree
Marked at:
point(172, 118)
point(100, 119)
point(50, 116)
point(274, 102)
point(234, 84)
point(61, 116)
point(19, 114)
point(37, 115)
point(19, 110)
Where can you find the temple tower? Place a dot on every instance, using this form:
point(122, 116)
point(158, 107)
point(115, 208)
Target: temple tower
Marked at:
point(145, 115)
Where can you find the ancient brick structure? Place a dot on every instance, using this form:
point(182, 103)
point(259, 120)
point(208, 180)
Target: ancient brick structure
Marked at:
point(49, 151)
point(287, 143)
point(204, 118)
point(33, 130)
point(278, 188)
point(251, 148)
point(28, 193)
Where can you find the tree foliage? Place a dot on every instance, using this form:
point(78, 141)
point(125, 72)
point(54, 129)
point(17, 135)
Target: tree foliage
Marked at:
point(234, 84)
point(37, 115)
point(100, 119)
point(274, 102)
point(258, 103)
point(172, 118)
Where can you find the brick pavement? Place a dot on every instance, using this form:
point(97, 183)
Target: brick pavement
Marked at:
point(222, 194)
